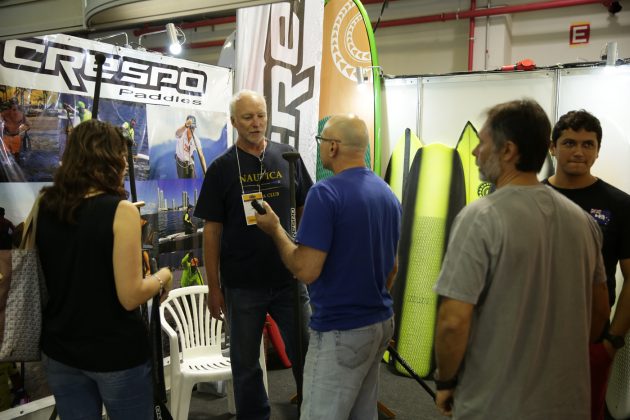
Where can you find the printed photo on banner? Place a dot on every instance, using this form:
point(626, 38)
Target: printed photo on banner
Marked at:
point(170, 232)
point(30, 122)
point(129, 116)
point(183, 142)
point(179, 232)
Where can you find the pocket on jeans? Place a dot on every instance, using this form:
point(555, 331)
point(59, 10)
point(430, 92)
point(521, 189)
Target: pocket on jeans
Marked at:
point(353, 347)
point(388, 331)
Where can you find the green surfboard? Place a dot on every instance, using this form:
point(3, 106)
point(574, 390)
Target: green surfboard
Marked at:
point(400, 162)
point(434, 195)
point(475, 187)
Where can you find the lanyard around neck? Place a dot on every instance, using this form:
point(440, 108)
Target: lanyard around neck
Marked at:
point(240, 173)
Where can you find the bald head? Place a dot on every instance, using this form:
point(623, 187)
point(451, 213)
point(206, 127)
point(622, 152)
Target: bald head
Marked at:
point(343, 144)
point(245, 94)
point(350, 130)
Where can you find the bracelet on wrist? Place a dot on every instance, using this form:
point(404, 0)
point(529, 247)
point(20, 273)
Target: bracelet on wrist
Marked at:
point(159, 281)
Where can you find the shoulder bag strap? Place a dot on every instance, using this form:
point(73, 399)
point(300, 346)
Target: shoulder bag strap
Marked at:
point(30, 226)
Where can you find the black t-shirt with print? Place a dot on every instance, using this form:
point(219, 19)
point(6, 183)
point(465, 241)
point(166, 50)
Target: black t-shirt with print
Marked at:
point(610, 207)
point(249, 258)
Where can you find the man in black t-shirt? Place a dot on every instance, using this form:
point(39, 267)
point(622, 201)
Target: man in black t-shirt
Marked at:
point(246, 277)
point(576, 141)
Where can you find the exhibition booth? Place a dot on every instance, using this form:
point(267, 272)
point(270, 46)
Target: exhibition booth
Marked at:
point(50, 81)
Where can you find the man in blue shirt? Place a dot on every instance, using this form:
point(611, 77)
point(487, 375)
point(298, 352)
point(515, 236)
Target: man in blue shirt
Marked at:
point(346, 253)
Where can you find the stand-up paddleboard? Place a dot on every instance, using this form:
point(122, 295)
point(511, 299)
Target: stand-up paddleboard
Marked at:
point(475, 187)
point(348, 46)
point(400, 162)
point(434, 195)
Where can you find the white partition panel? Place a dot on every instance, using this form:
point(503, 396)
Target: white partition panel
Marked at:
point(448, 102)
point(400, 111)
point(604, 92)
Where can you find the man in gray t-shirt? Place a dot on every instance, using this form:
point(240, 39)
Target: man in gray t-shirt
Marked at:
point(522, 284)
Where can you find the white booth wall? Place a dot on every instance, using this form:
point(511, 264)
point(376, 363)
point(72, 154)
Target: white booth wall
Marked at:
point(437, 108)
point(448, 102)
point(605, 92)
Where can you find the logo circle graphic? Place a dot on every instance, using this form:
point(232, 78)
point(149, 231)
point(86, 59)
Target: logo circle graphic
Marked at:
point(484, 189)
point(343, 49)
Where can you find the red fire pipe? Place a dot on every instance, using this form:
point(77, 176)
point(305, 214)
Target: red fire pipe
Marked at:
point(442, 17)
point(471, 36)
point(501, 10)
point(212, 22)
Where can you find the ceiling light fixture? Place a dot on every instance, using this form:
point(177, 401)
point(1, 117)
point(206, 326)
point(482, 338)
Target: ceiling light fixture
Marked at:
point(174, 33)
point(175, 47)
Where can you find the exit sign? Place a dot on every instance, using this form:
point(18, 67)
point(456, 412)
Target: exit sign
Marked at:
point(579, 33)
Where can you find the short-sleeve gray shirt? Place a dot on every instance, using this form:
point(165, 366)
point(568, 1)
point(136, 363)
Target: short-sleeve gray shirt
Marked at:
point(527, 258)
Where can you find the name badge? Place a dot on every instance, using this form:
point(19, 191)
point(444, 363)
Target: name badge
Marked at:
point(250, 212)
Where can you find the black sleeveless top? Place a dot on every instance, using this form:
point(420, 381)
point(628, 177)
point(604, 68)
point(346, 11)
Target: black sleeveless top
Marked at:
point(84, 324)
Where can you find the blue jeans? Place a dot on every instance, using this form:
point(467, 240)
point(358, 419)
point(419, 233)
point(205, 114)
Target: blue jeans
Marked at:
point(80, 394)
point(246, 313)
point(341, 372)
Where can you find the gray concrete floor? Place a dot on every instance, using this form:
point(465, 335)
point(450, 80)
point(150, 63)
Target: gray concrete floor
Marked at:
point(403, 395)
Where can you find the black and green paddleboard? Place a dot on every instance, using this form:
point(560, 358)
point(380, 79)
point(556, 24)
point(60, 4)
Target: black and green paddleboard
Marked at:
point(400, 162)
point(434, 194)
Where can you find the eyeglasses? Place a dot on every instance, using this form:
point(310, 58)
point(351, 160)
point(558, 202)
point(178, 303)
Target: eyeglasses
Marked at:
point(320, 139)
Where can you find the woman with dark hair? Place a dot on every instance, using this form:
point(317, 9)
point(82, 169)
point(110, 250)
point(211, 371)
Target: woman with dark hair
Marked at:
point(95, 344)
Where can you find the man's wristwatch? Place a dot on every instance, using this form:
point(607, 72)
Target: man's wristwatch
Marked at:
point(617, 341)
point(444, 385)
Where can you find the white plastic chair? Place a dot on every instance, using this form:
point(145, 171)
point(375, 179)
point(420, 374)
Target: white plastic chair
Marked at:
point(196, 336)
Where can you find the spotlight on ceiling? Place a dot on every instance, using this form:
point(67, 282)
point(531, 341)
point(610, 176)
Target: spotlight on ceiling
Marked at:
point(175, 47)
point(176, 38)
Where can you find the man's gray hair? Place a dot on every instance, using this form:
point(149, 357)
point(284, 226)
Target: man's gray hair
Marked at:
point(239, 95)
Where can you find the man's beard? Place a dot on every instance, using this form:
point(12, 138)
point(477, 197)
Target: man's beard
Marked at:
point(490, 170)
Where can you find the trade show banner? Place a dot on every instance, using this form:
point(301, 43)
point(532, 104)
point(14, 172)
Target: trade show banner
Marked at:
point(278, 53)
point(175, 111)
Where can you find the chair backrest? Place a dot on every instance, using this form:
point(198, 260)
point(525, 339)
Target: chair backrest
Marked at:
point(199, 334)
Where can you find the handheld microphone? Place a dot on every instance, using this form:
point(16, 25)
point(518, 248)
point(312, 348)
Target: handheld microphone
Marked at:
point(258, 207)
